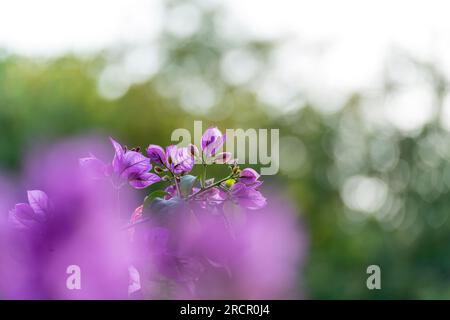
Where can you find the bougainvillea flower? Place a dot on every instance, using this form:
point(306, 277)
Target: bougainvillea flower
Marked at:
point(156, 258)
point(94, 167)
point(212, 141)
point(172, 191)
point(133, 166)
point(247, 196)
point(127, 165)
point(32, 214)
point(208, 258)
point(156, 154)
point(176, 159)
point(179, 159)
point(258, 258)
point(75, 225)
point(249, 177)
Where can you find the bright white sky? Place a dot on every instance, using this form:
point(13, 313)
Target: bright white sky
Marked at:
point(54, 26)
point(357, 34)
point(49, 26)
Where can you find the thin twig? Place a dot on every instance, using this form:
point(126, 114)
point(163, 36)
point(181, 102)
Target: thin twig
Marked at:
point(209, 187)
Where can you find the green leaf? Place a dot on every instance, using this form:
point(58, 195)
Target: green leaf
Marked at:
point(160, 205)
point(153, 195)
point(186, 184)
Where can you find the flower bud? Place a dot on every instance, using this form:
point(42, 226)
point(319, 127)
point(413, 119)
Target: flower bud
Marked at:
point(212, 141)
point(158, 170)
point(223, 157)
point(248, 176)
point(229, 183)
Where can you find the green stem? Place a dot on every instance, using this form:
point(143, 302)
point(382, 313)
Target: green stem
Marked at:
point(204, 176)
point(175, 179)
point(209, 187)
point(176, 184)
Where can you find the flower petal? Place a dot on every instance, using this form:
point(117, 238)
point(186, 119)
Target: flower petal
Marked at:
point(144, 180)
point(156, 154)
point(248, 197)
point(133, 164)
point(117, 147)
point(117, 162)
point(22, 216)
point(212, 141)
point(248, 176)
point(223, 157)
point(40, 204)
point(94, 167)
point(179, 160)
point(212, 148)
point(209, 136)
point(171, 192)
point(23, 211)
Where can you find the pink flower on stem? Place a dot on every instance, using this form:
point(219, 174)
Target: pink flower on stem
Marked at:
point(127, 166)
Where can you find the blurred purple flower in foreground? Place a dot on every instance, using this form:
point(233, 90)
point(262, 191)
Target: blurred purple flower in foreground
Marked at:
point(74, 225)
point(230, 255)
point(32, 214)
point(6, 260)
point(247, 197)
